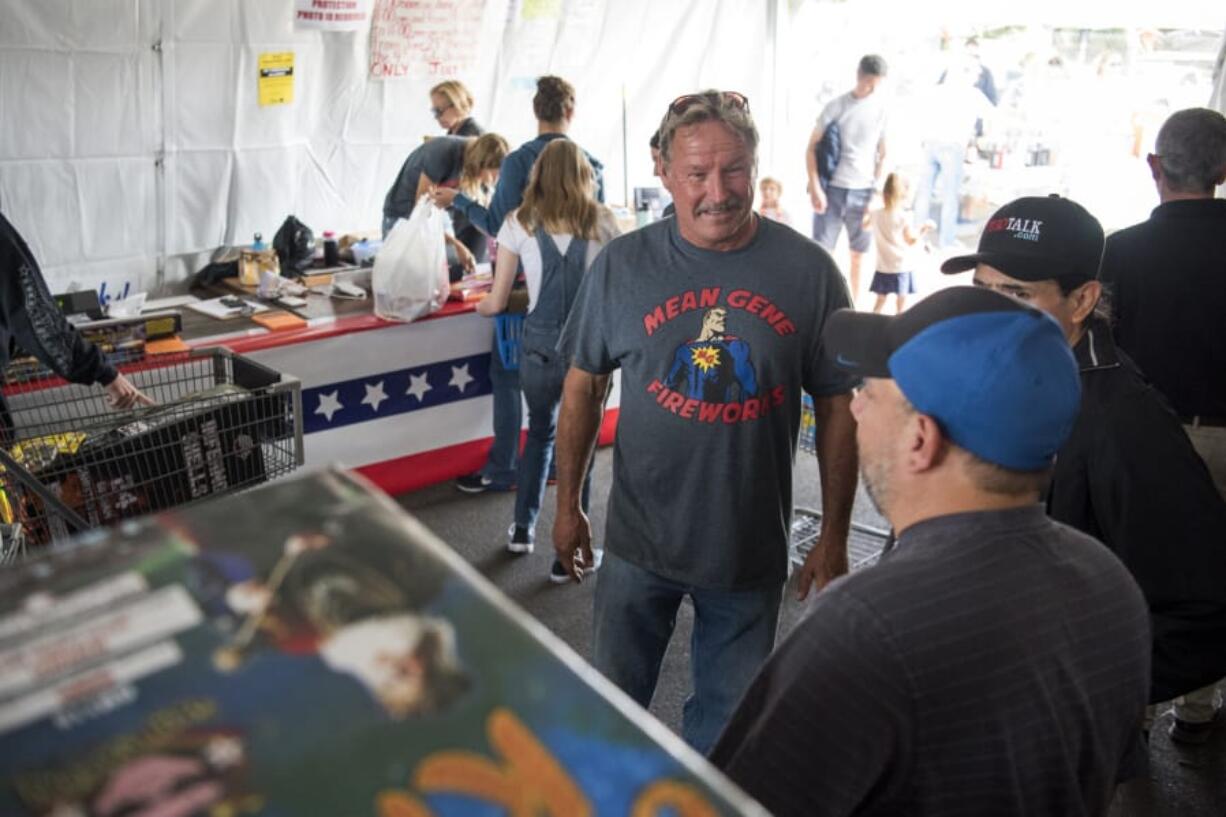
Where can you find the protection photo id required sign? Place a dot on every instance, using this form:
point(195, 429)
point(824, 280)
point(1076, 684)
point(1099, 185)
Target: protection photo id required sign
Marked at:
point(276, 78)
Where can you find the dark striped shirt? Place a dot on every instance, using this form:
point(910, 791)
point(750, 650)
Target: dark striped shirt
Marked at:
point(994, 663)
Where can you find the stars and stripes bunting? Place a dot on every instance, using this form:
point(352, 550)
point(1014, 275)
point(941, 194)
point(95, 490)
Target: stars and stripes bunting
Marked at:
point(376, 396)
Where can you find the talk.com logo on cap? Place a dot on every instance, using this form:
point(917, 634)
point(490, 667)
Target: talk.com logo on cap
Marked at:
point(1024, 229)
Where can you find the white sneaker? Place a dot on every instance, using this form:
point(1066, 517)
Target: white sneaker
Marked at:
point(519, 539)
point(558, 574)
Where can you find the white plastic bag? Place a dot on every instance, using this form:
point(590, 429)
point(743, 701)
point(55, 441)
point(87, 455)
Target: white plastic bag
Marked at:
point(410, 275)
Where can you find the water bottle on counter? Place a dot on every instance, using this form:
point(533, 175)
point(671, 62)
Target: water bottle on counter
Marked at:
point(332, 252)
point(254, 259)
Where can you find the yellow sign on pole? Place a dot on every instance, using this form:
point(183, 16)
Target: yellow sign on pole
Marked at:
point(277, 78)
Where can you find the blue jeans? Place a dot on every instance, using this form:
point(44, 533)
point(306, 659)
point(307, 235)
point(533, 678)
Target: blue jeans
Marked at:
point(942, 172)
point(734, 632)
point(541, 381)
point(502, 464)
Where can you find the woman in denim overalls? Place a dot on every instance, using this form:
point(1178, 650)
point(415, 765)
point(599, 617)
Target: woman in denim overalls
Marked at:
point(555, 234)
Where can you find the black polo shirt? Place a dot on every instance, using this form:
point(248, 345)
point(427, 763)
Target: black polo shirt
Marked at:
point(992, 663)
point(1167, 278)
point(1129, 477)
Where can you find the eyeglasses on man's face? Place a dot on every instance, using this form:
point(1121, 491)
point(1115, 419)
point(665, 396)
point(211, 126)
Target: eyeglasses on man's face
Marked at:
point(440, 111)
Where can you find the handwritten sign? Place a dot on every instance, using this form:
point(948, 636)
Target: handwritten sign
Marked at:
point(331, 15)
point(424, 38)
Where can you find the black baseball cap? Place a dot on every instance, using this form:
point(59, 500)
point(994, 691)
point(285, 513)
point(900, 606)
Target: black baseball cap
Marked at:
point(998, 375)
point(1038, 238)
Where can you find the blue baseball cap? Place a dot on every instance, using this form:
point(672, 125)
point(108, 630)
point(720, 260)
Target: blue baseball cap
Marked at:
point(997, 375)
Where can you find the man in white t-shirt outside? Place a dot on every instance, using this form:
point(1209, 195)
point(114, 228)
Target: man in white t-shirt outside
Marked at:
point(953, 110)
point(860, 115)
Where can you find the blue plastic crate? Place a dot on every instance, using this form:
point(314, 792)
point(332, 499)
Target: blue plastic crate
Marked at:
point(508, 329)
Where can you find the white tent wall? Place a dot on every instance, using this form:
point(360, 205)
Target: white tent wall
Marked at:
point(78, 132)
point(1218, 100)
point(132, 143)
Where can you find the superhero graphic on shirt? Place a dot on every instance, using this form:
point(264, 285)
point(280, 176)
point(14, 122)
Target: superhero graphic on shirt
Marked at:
point(715, 366)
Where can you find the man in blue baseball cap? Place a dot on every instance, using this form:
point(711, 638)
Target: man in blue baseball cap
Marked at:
point(994, 662)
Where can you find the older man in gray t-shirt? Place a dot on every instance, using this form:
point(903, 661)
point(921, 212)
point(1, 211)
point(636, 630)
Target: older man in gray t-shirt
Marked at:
point(714, 318)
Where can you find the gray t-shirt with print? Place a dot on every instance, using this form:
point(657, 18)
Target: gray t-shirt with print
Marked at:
point(715, 349)
point(862, 124)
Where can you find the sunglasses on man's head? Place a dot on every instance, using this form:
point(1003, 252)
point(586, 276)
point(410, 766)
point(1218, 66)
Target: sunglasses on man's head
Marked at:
point(683, 103)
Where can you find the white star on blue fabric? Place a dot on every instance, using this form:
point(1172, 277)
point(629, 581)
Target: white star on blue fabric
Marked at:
point(460, 378)
point(329, 405)
point(374, 396)
point(418, 386)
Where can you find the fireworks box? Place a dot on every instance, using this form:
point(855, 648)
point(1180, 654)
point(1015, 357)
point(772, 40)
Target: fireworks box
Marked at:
point(308, 649)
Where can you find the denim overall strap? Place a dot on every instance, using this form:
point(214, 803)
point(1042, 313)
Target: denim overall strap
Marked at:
point(560, 279)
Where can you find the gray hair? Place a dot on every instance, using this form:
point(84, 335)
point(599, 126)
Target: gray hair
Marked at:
point(710, 106)
point(1192, 149)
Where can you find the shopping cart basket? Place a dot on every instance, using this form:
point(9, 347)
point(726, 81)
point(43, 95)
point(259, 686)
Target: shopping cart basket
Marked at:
point(70, 462)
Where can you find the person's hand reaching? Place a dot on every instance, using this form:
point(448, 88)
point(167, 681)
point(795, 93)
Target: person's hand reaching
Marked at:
point(122, 395)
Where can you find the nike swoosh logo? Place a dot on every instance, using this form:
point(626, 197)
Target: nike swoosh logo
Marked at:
point(842, 361)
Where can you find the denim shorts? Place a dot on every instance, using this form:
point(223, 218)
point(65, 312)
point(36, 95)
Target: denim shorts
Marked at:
point(844, 207)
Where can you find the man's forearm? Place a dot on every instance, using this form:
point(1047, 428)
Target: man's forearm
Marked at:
point(837, 462)
point(879, 166)
point(477, 215)
point(583, 396)
point(811, 160)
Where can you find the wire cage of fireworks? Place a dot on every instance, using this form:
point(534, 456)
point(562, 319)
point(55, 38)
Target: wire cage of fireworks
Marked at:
point(69, 462)
point(865, 543)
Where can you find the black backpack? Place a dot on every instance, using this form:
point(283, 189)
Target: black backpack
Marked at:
point(223, 264)
point(828, 151)
point(294, 244)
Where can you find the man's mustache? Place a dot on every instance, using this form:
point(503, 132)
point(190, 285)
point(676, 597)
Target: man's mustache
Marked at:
point(729, 205)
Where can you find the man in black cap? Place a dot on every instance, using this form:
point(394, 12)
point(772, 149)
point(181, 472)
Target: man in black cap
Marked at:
point(995, 661)
point(1128, 475)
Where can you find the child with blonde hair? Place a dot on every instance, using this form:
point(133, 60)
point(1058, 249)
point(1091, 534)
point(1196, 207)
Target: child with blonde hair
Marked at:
point(771, 207)
point(897, 240)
